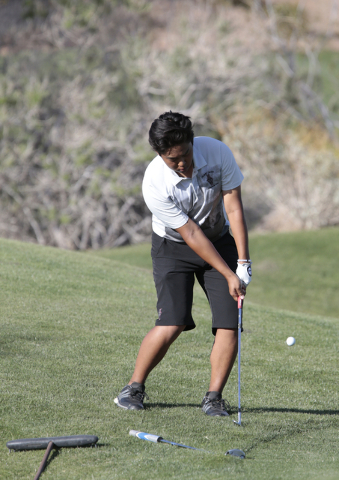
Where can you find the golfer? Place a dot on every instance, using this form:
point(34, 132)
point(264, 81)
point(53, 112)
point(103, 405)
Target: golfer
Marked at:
point(192, 187)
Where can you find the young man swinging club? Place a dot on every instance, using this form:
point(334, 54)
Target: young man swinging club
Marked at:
point(187, 187)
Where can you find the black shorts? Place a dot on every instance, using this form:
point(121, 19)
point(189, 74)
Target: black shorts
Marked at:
point(175, 266)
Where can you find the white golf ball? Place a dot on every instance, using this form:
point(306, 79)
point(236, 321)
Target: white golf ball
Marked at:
point(290, 341)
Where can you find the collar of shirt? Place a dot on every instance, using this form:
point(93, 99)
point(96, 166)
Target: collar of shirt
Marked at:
point(198, 160)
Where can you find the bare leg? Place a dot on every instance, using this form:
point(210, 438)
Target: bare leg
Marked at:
point(222, 358)
point(153, 349)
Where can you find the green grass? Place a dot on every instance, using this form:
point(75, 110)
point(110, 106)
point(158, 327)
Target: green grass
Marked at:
point(329, 64)
point(71, 326)
point(297, 271)
point(293, 271)
point(326, 81)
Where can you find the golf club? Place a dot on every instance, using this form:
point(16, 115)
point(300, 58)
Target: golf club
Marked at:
point(240, 304)
point(235, 452)
point(49, 443)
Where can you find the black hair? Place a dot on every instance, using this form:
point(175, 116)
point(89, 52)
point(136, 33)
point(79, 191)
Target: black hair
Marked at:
point(169, 130)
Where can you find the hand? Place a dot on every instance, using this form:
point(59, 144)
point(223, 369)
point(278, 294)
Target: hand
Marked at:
point(244, 272)
point(236, 287)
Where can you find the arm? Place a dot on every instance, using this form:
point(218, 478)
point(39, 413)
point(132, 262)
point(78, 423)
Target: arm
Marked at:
point(235, 214)
point(199, 243)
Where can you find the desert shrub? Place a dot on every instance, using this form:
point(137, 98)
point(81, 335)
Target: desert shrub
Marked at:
point(75, 117)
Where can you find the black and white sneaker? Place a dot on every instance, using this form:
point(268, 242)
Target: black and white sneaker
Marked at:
point(214, 406)
point(132, 397)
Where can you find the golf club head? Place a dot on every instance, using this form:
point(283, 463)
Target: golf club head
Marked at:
point(239, 418)
point(235, 452)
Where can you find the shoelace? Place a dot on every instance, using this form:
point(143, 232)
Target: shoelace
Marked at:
point(139, 395)
point(220, 402)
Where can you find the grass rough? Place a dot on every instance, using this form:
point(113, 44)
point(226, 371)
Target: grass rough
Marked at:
point(71, 326)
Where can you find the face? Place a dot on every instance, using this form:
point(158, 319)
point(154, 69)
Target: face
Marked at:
point(180, 159)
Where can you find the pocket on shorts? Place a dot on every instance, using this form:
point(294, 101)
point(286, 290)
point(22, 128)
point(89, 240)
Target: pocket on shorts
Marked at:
point(227, 248)
point(157, 243)
point(226, 239)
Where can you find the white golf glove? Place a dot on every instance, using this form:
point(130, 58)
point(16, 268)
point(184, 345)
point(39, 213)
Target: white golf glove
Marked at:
point(244, 272)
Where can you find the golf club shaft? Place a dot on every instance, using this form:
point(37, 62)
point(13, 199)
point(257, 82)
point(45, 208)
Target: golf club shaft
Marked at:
point(181, 445)
point(44, 460)
point(240, 303)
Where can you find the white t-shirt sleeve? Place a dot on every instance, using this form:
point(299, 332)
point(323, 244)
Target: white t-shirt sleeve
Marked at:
point(231, 176)
point(162, 206)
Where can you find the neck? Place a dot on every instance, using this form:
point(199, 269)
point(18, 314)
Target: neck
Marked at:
point(189, 172)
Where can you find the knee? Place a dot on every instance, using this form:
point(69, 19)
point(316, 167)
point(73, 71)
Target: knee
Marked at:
point(228, 335)
point(175, 330)
point(169, 332)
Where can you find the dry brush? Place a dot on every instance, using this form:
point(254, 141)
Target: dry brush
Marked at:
point(86, 79)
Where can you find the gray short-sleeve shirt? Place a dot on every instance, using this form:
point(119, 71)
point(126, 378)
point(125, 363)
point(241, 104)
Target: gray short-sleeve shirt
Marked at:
point(173, 199)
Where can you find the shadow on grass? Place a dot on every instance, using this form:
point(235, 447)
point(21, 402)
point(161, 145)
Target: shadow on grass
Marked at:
point(171, 405)
point(56, 452)
point(290, 410)
point(291, 431)
point(246, 410)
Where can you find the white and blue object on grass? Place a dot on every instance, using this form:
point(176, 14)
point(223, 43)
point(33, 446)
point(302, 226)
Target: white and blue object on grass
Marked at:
point(157, 439)
point(290, 341)
point(235, 452)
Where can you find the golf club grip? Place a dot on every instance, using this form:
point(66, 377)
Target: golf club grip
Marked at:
point(145, 436)
point(44, 461)
point(42, 443)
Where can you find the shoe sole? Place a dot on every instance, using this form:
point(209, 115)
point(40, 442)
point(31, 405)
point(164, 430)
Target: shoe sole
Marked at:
point(216, 414)
point(116, 401)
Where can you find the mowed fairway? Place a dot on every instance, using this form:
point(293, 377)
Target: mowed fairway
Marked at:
point(71, 326)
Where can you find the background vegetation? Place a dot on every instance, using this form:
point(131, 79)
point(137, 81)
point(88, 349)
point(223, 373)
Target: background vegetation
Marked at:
point(80, 82)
